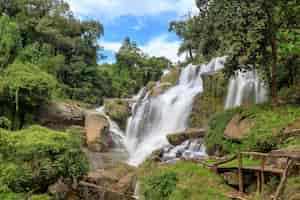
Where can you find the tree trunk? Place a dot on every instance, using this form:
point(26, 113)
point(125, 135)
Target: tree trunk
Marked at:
point(274, 71)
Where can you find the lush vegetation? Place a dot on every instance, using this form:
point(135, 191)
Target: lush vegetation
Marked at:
point(264, 135)
point(34, 158)
point(46, 53)
point(258, 34)
point(180, 181)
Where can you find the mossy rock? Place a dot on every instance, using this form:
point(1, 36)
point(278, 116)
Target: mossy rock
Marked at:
point(172, 77)
point(118, 110)
point(210, 101)
point(178, 138)
point(264, 136)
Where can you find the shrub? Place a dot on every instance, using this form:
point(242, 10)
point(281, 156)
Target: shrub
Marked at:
point(5, 123)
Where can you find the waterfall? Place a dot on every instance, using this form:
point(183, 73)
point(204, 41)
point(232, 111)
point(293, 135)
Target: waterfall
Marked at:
point(154, 118)
point(245, 88)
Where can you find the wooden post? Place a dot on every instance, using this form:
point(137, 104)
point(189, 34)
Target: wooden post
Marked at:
point(263, 174)
point(283, 179)
point(240, 172)
point(258, 182)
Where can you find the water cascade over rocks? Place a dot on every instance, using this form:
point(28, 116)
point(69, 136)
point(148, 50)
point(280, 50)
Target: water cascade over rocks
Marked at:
point(154, 118)
point(245, 88)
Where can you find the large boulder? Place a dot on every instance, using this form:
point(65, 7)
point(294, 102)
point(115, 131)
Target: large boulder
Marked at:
point(178, 138)
point(171, 77)
point(98, 137)
point(210, 101)
point(58, 115)
point(116, 183)
point(118, 110)
point(238, 128)
point(160, 89)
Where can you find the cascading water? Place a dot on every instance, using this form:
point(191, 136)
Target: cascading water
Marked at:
point(245, 87)
point(155, 117)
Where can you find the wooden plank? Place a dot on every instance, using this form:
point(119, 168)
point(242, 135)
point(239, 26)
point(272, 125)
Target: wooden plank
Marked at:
point(277, 155)
point(225, 161)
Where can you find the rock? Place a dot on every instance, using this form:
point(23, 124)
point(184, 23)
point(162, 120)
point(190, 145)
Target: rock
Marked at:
point(118, 110)
point(172, 77)
point(114, 183)
point(97, 132)
point(292, 129)
point(238, 128)
point(57, 115)
point(160, 89)
point(178, 138)
point(59, 190)
point(210, 101)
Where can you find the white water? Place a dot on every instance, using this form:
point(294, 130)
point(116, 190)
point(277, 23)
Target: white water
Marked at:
point(245, 87)
point(155, 117)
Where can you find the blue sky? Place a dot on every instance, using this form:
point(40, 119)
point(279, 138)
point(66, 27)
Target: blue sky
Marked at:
point(144, 21)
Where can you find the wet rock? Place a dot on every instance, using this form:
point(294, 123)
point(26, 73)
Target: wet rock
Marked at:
point(178, 138)
point(118, 110)
point(98, 137)
point(210, 101)
point(172, 77)
point(160, 89)
point(58, 115)
point(238, 128)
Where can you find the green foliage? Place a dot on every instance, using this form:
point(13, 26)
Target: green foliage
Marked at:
point(5, 123)
point(24, 84)
point(180, 181)
point(34, 158)
point(10, 40)
point(118, 110)
point(160, 186)
point(263, 136)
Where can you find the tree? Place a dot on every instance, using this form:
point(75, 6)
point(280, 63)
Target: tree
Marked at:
point(246, 31)
point(10, 40)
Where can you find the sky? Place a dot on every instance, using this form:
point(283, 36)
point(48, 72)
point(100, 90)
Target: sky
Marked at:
point(145, 21)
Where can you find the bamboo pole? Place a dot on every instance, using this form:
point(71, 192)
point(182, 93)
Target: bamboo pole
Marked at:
point(263, 174)
point(283, 179)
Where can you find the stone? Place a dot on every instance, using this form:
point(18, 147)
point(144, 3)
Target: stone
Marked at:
point(59, 190)
point(281, 162)
point(172, 77)
point(238, 128)
point(113, 183)
point(178, 138)
point(98, 137)
point(58, 115)
point(292, 129)
point(118, 110)
point(209, 102)
point(160, 89)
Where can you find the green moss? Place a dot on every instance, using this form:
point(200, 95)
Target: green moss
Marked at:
point(210, 101)
point(263, 137)
point(118, 110)
point(192, 181)
point(172, 77)
point(34, 158)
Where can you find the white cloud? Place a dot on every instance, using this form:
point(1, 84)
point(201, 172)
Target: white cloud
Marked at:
point(161, 46)
point(110, 9)
point(111, 46)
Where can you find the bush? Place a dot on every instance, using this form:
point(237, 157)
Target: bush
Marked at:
point(34, 158)
point(160, 186)
point(5, 123)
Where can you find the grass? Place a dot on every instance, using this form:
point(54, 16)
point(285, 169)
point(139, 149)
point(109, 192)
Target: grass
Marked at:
point(193, 182)
point(263, 137)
